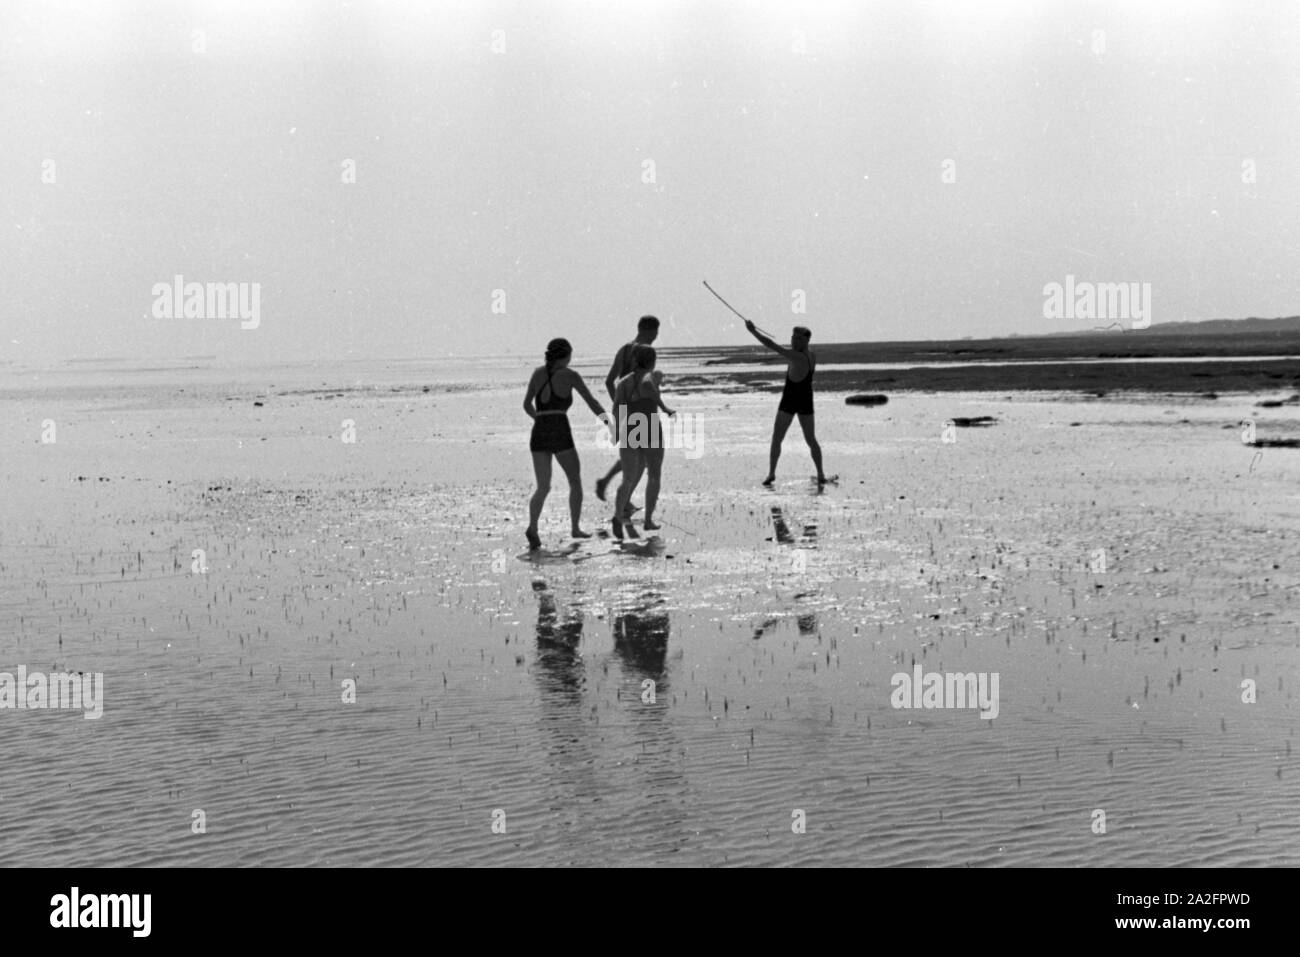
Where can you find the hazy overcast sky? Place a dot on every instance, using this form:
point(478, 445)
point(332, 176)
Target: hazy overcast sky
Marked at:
point(507, 146)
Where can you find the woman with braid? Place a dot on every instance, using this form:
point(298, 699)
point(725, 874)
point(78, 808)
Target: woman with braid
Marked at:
point(552, 386)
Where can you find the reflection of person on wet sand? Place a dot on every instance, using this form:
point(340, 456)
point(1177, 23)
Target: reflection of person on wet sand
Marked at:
point(641, 640)
point(551, 628)
point(558, 660)
point(567, 749)
point(783, 534)
point(807, 623)
point(796, 398)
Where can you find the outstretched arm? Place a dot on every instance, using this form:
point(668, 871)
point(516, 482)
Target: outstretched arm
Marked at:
point(788, 353)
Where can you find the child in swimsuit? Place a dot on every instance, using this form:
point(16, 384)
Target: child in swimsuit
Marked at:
point(647, 330)
point(640, 440)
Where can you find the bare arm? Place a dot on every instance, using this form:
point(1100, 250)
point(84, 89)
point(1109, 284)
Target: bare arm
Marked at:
point(614, 368)
point(651, 390)
point(530, 394)
point(788, 353)
point(581, 388)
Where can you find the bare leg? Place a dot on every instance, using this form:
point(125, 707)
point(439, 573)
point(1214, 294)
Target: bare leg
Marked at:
point(806, 423)
point(602, 484)
point(542, 469)
point(654, 459)
point(633, 466)
point(568, 460)
point(779, 428)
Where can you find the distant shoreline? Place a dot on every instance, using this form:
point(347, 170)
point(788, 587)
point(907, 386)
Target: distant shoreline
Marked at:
point(1047, 363)
point(1252, 356)
point(1190, 378)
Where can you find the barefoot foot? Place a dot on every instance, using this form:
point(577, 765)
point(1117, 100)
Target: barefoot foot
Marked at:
point(579, 533)
point(534, 540)
point(651, 525)
point(769, 480)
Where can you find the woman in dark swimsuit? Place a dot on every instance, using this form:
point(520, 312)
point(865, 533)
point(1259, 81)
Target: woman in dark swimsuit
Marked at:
point(796, 397)
point(552, 386)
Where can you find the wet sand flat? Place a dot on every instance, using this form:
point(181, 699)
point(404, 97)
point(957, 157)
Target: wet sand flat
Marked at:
point(770, 622)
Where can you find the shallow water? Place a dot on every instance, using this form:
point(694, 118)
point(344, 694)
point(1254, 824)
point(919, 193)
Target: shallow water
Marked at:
point(771, 623)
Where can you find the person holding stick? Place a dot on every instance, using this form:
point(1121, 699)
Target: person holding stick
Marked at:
point(796, 398)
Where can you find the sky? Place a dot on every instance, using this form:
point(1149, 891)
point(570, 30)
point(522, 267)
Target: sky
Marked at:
point(416, 179)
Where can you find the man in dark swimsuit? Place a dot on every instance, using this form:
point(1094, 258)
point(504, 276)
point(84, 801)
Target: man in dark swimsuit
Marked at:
point(796, 398)
point(647, 330)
